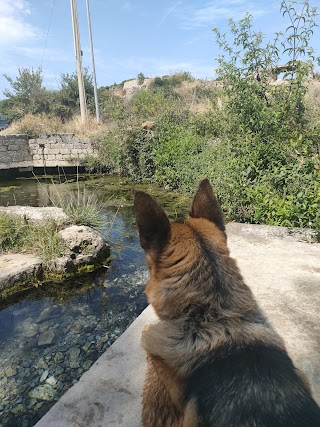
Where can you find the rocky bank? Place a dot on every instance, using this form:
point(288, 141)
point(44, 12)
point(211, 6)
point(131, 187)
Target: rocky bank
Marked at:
point(86, 250)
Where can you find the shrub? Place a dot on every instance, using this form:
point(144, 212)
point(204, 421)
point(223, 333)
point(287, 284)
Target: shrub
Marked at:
point(254, 105)
point(176, 148)
point(148, 104)
point(140, 78)
point(268, 182)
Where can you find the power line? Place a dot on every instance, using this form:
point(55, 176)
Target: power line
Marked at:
point(45, 44)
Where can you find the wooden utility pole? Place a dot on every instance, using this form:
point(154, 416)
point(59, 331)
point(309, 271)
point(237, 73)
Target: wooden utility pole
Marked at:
point(78, 52)
point(93, 65)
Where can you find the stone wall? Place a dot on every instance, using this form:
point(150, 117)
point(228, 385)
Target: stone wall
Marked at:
point(14, 152)
point(18, 151)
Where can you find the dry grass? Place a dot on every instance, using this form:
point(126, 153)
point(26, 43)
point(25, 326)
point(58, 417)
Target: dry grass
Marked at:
point(88, 129)
point(313, 102)
point(35, 125)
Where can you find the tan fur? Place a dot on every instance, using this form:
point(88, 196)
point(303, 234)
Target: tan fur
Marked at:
point(195, 318)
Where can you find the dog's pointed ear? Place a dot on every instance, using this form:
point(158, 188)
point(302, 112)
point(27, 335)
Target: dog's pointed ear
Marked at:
point(206, 205)
point(153, 223)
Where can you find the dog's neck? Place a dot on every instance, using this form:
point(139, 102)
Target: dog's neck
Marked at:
point(182, 343)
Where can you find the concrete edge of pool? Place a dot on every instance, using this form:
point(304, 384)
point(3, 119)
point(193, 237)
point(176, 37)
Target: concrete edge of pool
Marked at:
point(109, 393)
point(284, 276)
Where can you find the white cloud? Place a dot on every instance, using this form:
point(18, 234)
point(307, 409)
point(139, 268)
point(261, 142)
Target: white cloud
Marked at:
point(196, 17)
point(14, 27)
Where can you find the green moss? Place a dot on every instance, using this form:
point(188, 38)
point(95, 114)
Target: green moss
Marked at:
point(47, 277)
point(7, 188)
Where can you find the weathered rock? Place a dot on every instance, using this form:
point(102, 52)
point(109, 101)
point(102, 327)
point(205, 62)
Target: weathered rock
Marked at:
point(29, 333)
point(51, 381)
point(86, 346)
point(46, 338)
point(10, 371)
point(58, 357)
point(20, 311)
point(41, 364)
point(74, 353)
point(74, 364)
point(43, 392)
point(17, 268)
point(44, 376)
point(44, 326)
point(49, 313)
point(85, 250)
point(87, 364)
point(18, 409)
point(85, 243)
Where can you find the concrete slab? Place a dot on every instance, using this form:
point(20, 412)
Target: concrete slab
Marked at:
point(284, 275)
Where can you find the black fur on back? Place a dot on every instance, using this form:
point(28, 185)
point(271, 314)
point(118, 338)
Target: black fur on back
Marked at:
point(254, 386)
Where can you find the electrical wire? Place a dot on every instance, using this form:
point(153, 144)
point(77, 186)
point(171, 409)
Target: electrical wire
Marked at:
point(45, 44)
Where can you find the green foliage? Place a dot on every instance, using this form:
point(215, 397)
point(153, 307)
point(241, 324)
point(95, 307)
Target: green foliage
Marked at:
point(111, 107)
point(18, 234)
point(27, 95)
point(268, 182)
point(141, 78)
point(138, 155)
point(12, 231)
point(66, 101)
point(254, 104)
point(175, 150)
point(168, 83)
point(81, 206)
point(146, 104)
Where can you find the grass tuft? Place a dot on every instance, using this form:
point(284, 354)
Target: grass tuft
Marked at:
point(17, 234)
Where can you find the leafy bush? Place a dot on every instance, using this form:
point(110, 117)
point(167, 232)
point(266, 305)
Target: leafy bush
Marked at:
point(147, 104)
point(268, 182)
point(176, 147)
point(112, 107)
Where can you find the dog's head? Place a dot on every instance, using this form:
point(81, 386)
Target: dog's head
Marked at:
point(183, 258)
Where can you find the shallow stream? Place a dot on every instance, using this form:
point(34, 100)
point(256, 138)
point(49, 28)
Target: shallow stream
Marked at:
point(51, 335)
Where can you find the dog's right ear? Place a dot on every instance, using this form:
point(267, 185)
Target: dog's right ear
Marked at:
point(206, 205)
point(152, 222)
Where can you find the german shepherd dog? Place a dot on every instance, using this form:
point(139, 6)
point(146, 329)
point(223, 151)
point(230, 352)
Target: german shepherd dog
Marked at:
point(213, 358)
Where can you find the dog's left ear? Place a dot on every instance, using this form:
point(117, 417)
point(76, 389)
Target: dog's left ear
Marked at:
point(205, 205)
point(153, 223)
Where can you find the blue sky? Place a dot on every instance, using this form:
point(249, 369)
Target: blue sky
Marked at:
point(130, 36)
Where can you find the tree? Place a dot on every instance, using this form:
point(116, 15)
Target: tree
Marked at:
point(27, 95)
point(141, 78)
point(66, 102)
point(246, 68)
